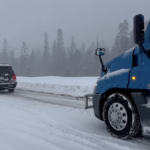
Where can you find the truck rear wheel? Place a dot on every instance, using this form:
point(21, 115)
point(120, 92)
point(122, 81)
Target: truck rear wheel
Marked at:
point(120, 117)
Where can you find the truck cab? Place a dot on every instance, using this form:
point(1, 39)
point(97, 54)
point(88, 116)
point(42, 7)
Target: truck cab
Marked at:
point(121, 95)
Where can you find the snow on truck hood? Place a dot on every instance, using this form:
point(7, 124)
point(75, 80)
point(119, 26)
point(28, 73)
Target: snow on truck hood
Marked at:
point(115, 73)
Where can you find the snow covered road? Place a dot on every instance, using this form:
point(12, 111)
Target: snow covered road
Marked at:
point(51, 98)
point(29, 121)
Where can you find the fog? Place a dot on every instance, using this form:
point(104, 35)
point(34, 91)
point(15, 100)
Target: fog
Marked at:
point(27, 20)
point(45, 37)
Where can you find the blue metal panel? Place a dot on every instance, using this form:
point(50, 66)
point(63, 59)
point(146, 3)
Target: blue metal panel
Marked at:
point(136, 71)
point(145, 62)
point(118, 73)
point(145, 71)
point(142, 70)
point(113, 80)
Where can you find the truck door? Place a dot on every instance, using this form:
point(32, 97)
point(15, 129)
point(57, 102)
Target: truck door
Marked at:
point(144, 105)
point(145, 62)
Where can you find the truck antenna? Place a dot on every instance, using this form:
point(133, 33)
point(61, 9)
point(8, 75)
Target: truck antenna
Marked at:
point(97, 39)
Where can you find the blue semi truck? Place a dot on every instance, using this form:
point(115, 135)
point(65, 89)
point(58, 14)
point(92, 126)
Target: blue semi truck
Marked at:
point(121, 96)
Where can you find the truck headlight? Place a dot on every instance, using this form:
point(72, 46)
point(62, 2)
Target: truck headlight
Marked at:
point(94, 88)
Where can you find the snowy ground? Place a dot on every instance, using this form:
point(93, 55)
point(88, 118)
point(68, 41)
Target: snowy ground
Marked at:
point(30, 124)
point(31, 121)
point(75, 86)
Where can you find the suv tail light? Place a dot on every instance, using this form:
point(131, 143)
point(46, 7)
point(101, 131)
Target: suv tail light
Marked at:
point(14, 77)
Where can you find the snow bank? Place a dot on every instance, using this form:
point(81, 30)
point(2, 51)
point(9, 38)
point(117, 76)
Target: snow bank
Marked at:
point(74, 86)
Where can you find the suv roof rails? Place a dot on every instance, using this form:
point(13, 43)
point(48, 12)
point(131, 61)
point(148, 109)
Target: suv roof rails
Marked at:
point(4, 64)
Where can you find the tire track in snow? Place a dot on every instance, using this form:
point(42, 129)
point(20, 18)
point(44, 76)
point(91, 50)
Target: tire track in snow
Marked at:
point(74, 134)
point(45, 127)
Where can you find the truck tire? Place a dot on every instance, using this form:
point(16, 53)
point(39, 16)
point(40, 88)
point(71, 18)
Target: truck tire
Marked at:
point(10, 90)
point(121, 117)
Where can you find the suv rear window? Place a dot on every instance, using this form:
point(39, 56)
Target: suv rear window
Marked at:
point(6, 69)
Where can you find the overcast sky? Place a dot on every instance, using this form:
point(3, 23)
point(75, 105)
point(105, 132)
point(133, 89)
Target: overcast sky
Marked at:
point(27, 20)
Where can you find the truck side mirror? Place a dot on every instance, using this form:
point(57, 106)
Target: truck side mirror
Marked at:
point(99, 51)
point(138, 29)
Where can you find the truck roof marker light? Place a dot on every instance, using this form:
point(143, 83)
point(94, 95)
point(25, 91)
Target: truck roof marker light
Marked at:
point(133, 78)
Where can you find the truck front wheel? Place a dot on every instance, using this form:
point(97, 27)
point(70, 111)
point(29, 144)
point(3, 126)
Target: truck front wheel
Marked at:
point(120, 117)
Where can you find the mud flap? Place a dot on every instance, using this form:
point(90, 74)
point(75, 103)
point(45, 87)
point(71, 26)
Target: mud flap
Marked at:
point(88, 97)
point(142, 103)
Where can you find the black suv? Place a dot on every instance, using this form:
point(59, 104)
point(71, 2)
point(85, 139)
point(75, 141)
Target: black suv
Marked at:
point(7, 78)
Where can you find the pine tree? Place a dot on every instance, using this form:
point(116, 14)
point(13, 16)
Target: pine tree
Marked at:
point(24, 61)
point(11, 58)
point(72, 60)
point(83, 48)
point(38, 62)
point(16, 66)
point(78, 62)
point(54, 58)
point(89, 61)
point(116, 46)
point(82, 59)
point(4, 53)
point(61, 65)
point(46, 56)
point(131, 40)
point(122, 39)
point(32, 64)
